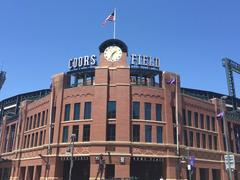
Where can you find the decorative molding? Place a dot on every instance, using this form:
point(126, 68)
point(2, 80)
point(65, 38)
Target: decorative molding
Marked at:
point(36, 106)
point(78, 95)
point(192, 105)
point(147, 95)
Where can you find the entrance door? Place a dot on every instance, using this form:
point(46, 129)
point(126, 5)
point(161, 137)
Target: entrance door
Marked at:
point(109, 171)
point(146, 169)
point(80, 170)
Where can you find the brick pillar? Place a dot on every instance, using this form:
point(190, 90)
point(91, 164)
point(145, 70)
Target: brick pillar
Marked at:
point(198, 173)
point(122, 170)
point(44, 172)
point(27, 177)
point(93, 171)
point(34, 172)
point(168, 103)
point(171, 168)
point(3, 128)
point(210, 174)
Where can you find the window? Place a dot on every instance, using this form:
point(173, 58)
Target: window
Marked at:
point(53, 114)
point(46, 119)
point(86, 132)
point(136, 133)
point(189, 118)
point(28, 141)
point(209, 141)
point(40, 138)
point(67, 112)
point(191, 138)
point(35, 121)
point(76, 115)
point(147, 111)
point(203, 140)
point(111, 110)
point(202, 121)
point(215, 142)
point(44, 136)
point(51, 135)
point(184, 117)
point(32, 140)
point(185, 136)
point(65, 134)
point(11, 137)
point(136, 110)
point(208, 122)
point(111, 132)
point(158, 112)
point(43, 116)
point(39, 119)
point(173, 114)
point(224, 142)
point(26, 127)
point(175, 135)
point(148, 133)
point(87, 110)
point(196, 119)
point(25, 141)
point(75, 130)
point(198, 139)
point(36, 140)
point(30, 124)
point(6, 139)
point(222, 128)
point(213, 124)
point(159, 134)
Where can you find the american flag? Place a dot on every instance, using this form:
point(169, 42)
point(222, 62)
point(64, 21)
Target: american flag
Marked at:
point(111, 17)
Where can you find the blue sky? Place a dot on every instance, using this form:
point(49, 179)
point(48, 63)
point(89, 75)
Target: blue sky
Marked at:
point(37, 38)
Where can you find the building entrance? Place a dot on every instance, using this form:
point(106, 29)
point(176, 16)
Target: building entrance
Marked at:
point(143, 168)
point(80, 170)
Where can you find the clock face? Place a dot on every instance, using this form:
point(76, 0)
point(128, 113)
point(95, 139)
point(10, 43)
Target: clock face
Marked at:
point(113, 53)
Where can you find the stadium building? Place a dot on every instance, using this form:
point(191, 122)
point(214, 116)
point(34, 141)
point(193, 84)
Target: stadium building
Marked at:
point(123, 118)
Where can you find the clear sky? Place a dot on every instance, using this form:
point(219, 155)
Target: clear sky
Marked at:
point(37, 38)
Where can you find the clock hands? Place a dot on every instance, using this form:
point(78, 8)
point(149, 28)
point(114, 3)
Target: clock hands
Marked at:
point(112, 54)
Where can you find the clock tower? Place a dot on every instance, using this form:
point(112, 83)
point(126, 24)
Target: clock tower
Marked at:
point(112, 86)
point(113, 53)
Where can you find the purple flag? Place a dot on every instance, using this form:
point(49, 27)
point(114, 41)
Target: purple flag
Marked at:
point(220, 115)
point(192, 160)
point(171, 81)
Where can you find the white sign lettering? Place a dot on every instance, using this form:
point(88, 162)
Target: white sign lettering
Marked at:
point(81, 62)
point(143, 60)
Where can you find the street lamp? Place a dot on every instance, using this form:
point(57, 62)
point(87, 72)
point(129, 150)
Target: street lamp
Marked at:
point(71, 148)
point(189, 161)
point(223, 98)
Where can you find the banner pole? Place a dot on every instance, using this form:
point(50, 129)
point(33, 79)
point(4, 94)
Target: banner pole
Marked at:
point(114, 24)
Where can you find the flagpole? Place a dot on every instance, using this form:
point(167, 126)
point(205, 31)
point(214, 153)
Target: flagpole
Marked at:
point(114, 24)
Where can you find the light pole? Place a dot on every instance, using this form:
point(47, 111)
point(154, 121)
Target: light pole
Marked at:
point(189, 167)
point(225, 136)
point(71, 147)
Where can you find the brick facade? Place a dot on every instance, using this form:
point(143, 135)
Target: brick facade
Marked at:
point(32, 145)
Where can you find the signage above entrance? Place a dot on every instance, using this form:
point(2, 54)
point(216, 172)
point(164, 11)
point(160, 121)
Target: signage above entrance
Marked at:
point(147, 61)
point(82, 62)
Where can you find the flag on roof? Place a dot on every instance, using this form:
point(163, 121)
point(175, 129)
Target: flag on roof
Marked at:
point(111, 18)
point(171, 81)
